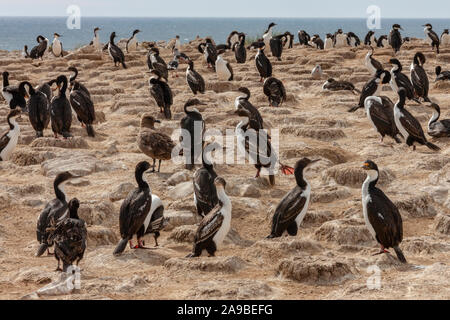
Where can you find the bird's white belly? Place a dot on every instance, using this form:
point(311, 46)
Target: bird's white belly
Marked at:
point(369, 65)
point(393, 83)
point(13, 135)
point(156, 203)
point(8, 96)
point(301, 216)
point(328, 44)
point(97, 45)
point(222, 71)
point(57, 48)
point(446, 39)
point(385, 43)
point(366, 199)
point(223, 231)
point(367, 106)
point(132, 45)
point(340, 41)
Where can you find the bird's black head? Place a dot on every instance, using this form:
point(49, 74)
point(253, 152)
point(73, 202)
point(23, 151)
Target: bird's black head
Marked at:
point(112, 36)
point(56, 35)
point(194, 102)
point(63, 177)
point(141, 167)
point(73, 69)
point(428, 26)
point(155, 51)
point(385, 76)
point(395, 62)
point(446, 31)
point(303, 163)
point(61, 80)
point(96, 29)
point(221, 51)
point(208, 40)
point(5, 74)
point(331, 80)
point(438, 70)
point(340, 31)
point(273, 24)
point(148, 121)
point(370, 166)
point(136, 31)
point(245, 91)
point(397, 27)
point(402, 94)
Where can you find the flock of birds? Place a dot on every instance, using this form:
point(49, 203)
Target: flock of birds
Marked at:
point(142, 212)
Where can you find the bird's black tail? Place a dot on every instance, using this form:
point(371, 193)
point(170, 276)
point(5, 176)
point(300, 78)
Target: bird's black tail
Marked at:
point(90, 130)
point(400, 254)
point(432, 146)
point(121, 247)
point(41, 249)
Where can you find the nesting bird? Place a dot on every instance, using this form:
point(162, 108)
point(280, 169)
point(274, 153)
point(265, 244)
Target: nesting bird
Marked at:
point(275, 91)
point(335, 85)
point(436, 128)
point(12, 94)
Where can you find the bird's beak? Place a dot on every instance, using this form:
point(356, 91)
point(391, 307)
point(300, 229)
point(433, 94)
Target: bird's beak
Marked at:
point(365, 166)
point(314, 161)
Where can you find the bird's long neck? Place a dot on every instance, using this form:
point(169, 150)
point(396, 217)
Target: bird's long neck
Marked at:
point(301, 182)
point(64, 87)
point(59, 191)
point(74, 76)
point(226, 202)
point(12, 123)
point(371, 181)
point(5, 80)
point(111, 39)
point(142, 183)
point(435, 117)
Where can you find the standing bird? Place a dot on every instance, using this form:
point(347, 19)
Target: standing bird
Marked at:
point(73, 81)
point(223, 68)
point(335, 85)
point(57, 48)
point(380, 214)
point(353, 40)
point(70, 237)
point(96, 41)
point(38, 108)
point(215, 226)
point(370, 39)
point(409, 126)
point(11, 94)
point(380, 112)
point(60, 110)
point(395, 38)
point(432, 36)
point(240, 52)
point(154, 222)
point(372, 64)
point(304, 38)
point(291, 211)
point(52, 212)
point(233, 38)
point(442, 75)
point(115, 52)
point(340, 39)
point(155, 62)
point(209, 51)
point(276, 46)
point(134, 210)
point(275, 91)
point(436, 128)
point(263, 64)
point(205, 192)
point(152, 143)
point(193, 129)
point(132, 43)
point(161, 92)
point(373, 88)
point(382, 41)
point(445, 38)
point(400, 80)
point(84, 108)
point(38, 51)
point(267, 36)
point(419, 77)
point(9, 139)
point(289, 39)
point(328, 42)
point(194, 79)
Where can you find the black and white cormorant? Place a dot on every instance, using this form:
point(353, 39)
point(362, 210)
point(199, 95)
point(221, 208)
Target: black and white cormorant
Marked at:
point(57, 47)
point(52, 212)
point(338, 85)
point(60, 110)
point(370, 39)
point(353, 40)
point(233, 38)
point(419, 77)
point(382, 217)
point(70, 237)
point(209, 51)
point(38, 108)
point(73, 81)
point(9, 139)
point(373, 87)
point(194, 79)
point(382, 41)
point(328, 41)
point(445, 38)
point(132, 43)
point(223, 68)
point(154, 222)
point(408, 125)
point(434, 38)
point(194, 125)
point(12, 94)
point(215, 225)
point(84, 108)
point(161, 92)
point(205, 192)
point(289, 39)
point(267, 36)
point(263, 64)
point(96, 41)
point(380, 112)
point(372, 64)
point(442, 75)
point(156, 62)
point(153, 143)
point(395, 38)
point(340, 39)
point(274, 90)
point(134, 210)
point(240, 52)
point(400, 80)
point(38, 51)
point(276, 46)
point(436, 128)
point(115, 52)
point(304, 38)
point(291, 211)
point(318, 42)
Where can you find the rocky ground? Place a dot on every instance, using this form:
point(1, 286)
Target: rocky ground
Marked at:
point(331, 258)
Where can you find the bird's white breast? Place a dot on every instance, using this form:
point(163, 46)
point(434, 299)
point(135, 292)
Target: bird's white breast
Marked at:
point(13, 135)
point(222, 71)
point(307, 194)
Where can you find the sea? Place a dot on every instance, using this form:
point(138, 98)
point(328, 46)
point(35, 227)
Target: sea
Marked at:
point(15, 32)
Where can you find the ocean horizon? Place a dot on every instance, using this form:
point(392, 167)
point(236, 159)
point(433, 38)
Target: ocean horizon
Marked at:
point(15, 32)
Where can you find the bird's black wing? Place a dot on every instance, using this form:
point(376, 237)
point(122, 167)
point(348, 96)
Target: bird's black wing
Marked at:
point(157, 93)
point(412, 125)
point(167, 92)
point(205, 190)
point(210, 224)
point(289, 208)
point(420, 81)
point(133, 212)
point(83, 106)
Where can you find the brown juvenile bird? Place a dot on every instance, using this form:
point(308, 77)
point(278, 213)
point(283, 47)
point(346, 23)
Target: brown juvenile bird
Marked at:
point(154, 144)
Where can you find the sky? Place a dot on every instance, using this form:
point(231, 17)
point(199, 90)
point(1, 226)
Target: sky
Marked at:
point(230, 8)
